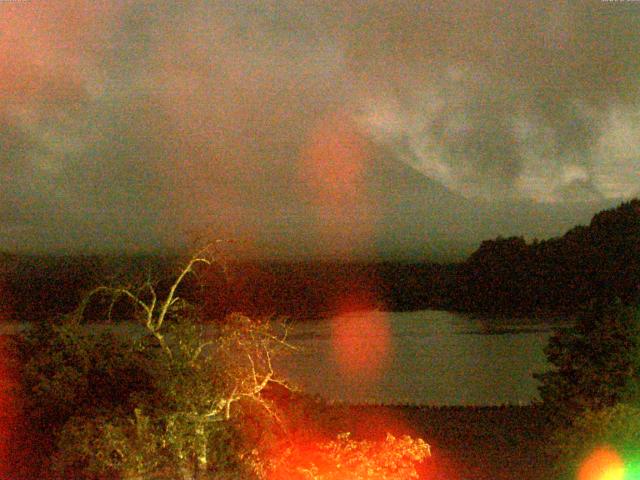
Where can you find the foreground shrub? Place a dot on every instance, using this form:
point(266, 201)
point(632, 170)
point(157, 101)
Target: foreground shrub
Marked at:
point(347, 459)
point(67, 369)
point(615, 429)
point(172, 398)
point(595, 362)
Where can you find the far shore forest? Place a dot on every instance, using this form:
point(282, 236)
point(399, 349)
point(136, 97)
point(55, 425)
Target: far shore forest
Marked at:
point(502, 277)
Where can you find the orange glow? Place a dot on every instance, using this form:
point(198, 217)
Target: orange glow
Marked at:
point(8, 410)
point(290, 456)
point(385, 448)
point(43, 48)
point(603, 464)
point(361, 344)
point(333, 161)
point(333, 167)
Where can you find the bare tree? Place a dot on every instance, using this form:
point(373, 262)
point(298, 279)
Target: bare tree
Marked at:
point(200, 372)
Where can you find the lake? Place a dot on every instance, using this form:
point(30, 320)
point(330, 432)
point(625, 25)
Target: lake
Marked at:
point(421, 358)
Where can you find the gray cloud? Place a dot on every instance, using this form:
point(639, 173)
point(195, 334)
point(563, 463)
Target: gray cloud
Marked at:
point(130, 122)
point(560, 67)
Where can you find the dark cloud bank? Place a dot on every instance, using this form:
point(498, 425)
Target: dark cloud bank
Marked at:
point(313, 128)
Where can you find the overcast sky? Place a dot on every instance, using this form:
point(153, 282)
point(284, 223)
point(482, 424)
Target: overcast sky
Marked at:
point(127, 125)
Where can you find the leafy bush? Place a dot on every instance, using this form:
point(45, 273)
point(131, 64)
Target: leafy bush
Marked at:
point(176, 399)
point(67, 369)
point(596, 362)
point(347, 459)
point(616, 427)
point(591, 394)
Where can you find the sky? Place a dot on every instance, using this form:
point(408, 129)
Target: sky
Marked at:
point(312, 128)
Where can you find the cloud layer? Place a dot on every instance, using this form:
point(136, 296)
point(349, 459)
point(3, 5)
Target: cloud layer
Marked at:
point(125, 123)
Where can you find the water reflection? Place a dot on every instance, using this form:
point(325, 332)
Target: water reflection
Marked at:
point(440, 358)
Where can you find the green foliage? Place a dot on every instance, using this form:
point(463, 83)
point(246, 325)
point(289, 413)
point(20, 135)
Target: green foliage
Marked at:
point(108, 446)
point(68, 369)
point(595, 362)
point(167, 397)
point(161, 399)
point(616, 427)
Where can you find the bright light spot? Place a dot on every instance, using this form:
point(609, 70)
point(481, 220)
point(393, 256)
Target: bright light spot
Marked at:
point(346, 458)
point(361, 344)
point(603, 464)
point(334, 159)
point(631, 471)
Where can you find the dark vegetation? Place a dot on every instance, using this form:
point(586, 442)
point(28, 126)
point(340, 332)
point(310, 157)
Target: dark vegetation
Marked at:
point(598, 261)
point(596, 362)
point(98, 405)
point(504, 276)
point(39, 286)
point(591, 396)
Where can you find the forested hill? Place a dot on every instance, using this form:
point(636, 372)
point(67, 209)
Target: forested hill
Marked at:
point(509, 275)
point(35, 288)
point(503, 276)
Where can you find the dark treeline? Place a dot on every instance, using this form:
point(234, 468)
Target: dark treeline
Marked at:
point(35, 288)
point(310, 289)
point(599, 261)
point(505, 276)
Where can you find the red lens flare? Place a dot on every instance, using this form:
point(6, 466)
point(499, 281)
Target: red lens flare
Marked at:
point(334, 162)
point(333, 167)
point(602, 464)
point(361, 344)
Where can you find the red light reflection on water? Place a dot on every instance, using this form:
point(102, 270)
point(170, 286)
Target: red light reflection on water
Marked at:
point(361, 344)
point(604, 463)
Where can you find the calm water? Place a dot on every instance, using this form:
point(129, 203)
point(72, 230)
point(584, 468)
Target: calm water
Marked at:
point(426, 357)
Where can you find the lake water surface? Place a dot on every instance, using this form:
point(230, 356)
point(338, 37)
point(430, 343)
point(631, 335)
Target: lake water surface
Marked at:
point(421, 358)
point(426, 357)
